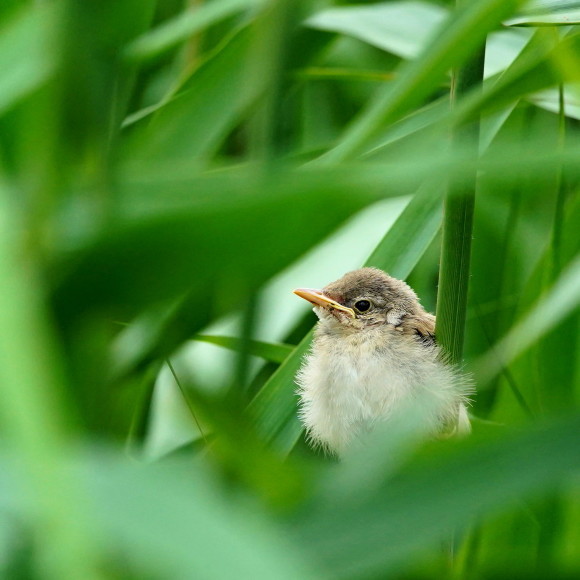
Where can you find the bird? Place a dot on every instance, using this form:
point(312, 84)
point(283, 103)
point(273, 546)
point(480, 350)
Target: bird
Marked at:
point(373, 354)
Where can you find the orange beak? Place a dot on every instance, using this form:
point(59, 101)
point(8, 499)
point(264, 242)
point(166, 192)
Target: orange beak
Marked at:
point(317, 298)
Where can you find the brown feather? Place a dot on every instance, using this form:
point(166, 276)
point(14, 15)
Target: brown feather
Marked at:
point(421, 325)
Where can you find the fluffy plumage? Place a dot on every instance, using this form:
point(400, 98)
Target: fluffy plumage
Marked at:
point(366, 364)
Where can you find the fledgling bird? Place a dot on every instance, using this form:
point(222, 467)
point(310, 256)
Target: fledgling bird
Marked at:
point(374, 352)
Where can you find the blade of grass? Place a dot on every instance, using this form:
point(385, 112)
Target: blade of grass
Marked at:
point(555, 353)
point(187, 401)
point(275, 352)
point(180, 28)
point(532, 71)
point(191, 242)
point(409, 237)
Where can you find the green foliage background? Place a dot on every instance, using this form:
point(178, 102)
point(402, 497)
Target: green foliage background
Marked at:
point(162, 166)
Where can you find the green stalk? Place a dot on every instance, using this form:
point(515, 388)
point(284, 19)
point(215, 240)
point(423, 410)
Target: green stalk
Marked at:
point(458, 206)
point(556, 265)
point(458, 225)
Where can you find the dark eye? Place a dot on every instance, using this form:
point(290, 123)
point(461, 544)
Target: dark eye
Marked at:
point(362, 305)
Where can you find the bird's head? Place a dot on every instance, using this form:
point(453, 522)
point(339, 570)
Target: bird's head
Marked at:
point(363, 298)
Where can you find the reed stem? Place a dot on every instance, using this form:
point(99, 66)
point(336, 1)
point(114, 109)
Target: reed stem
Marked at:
point(458, 224)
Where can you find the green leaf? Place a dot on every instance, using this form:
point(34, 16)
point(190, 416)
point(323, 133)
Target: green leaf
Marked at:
point(181, 27)
point(547, 13)
point(275, 352)
point(420, 121)
point(95, 82)
point(406, 241)
point(274, 407)
point(457, 231)
point(402, 28)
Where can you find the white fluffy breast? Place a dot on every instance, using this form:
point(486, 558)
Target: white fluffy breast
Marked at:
point(350, 380)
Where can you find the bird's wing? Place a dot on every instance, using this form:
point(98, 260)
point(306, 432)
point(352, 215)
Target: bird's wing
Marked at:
point(422, 326)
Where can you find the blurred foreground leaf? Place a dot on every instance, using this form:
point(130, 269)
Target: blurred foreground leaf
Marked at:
point(170, 521)
point(379, 531)
point(34, 414)
point(207, 250)
point(218, 244)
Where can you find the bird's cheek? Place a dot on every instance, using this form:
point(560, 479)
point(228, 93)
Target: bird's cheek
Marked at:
point(322, 313)
point(341, 316)
point(395, 317)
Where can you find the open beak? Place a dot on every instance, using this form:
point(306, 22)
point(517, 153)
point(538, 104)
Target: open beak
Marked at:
point(317, 298)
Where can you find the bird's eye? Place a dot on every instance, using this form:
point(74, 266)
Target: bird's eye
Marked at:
point(362, 305)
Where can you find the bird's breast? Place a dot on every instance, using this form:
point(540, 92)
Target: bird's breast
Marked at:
point(348, 382)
